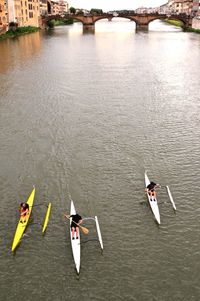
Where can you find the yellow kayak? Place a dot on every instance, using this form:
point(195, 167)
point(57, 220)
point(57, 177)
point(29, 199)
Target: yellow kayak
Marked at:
point(22, 226)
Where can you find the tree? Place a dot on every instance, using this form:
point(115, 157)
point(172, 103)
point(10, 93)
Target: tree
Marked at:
point(51, 23)
point(96, 11)
point(13, 26)
point(72, 10)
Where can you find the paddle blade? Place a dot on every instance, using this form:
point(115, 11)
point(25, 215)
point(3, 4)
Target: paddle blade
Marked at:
point(46, 220)
point(84, 230)
point(170, 197)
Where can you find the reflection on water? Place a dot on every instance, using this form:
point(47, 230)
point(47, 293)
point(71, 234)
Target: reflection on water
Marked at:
point(158, 25)
point(120, 25)
point(16, 51)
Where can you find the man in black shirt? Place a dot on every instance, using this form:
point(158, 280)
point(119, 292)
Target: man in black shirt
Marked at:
point(151, 189)
point(76, 221)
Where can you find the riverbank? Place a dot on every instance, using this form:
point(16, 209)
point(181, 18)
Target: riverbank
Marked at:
point(53, 23)
point(190, 29)
point(180, 24)
point(18, 32)
point(174, 22)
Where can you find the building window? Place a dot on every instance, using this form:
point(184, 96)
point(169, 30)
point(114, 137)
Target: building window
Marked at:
point(30, 14)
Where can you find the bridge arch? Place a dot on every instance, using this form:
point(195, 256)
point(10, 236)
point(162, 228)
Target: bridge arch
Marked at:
point(119, 16)
point(176, 18)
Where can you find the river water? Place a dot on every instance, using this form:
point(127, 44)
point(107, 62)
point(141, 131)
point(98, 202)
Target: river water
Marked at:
point(82, 116)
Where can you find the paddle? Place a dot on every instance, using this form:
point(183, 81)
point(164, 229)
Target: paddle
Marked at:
point(170, 196)
point(39, 205)
point(83, 229)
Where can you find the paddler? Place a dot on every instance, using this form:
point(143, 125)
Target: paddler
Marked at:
point(76, 221)
point(150, 189)
point(24, 211)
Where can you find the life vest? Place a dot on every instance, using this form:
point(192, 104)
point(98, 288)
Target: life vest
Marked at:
point(24, 211)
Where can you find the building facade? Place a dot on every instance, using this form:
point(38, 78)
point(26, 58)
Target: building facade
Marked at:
point(48, 7)
point(28, 12)
point(3, 16)
point(45, 8)
point(24, 12)
point(188, 7)
point(63, 7)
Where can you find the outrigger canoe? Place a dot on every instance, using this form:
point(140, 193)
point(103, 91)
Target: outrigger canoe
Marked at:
point(153, 203)
point(22, 226)
point(75, 243)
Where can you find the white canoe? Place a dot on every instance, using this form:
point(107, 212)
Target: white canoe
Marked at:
point(75, 243)
point(153, 203)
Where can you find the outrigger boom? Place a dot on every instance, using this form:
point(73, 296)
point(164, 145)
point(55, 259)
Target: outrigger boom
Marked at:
point(98, 230)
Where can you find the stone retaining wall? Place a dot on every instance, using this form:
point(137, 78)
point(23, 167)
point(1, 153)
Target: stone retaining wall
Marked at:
point(196, 23)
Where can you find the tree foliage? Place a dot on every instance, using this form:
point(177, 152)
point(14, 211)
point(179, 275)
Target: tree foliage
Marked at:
point(96, 11)
point(72, 10)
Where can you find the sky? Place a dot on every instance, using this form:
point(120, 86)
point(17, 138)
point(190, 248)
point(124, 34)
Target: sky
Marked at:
point(107, 5)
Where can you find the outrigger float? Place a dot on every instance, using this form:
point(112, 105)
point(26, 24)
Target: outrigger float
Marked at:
point(21, 227)
point(154, 204)
point(76, 243)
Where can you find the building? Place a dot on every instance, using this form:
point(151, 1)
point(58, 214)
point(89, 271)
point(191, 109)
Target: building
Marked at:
point(196, 7)
point(24, 12)
point(188, 7)
point(59, 7)
point(55, 8)
point(29, 12)
point(45, 7)
point(141, 10)
point(3, 16)
point(196, 19)
point(64, 7)
point(164, 9)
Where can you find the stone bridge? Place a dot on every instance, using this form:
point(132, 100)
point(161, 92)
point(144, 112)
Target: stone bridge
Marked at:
point(142, 20)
